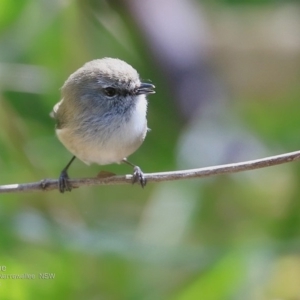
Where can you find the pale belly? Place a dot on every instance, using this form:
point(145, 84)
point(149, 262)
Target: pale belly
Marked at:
point(113, 150)
point(94, 148)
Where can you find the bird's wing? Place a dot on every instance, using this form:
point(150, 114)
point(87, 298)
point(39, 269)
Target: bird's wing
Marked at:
point(55, 109)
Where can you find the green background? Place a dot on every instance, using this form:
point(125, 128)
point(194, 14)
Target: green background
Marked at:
point(241, 235)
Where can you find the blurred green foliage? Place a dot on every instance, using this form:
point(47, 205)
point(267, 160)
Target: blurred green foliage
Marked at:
point(242, 238)
point(248, 2)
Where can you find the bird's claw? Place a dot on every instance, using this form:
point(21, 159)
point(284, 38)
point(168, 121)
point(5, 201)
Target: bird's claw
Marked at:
point(63, 182)
point(138, 176)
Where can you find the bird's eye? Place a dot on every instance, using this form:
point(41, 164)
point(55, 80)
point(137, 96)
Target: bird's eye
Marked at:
point(110, 91)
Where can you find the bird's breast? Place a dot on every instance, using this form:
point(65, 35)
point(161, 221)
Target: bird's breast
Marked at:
point(107, 141)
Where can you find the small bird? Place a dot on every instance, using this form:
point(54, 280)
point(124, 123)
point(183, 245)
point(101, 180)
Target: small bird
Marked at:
point(102, 115)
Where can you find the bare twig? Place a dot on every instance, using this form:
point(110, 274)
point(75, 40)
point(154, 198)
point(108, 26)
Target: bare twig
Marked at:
point(52, 184)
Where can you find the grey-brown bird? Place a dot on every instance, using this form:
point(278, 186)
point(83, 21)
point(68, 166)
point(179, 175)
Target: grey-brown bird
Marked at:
point(102, 115)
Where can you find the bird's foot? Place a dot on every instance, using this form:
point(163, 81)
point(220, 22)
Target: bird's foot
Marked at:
point(63, 182)
point(138, 176)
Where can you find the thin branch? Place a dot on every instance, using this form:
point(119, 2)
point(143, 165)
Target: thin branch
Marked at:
point(52, 184)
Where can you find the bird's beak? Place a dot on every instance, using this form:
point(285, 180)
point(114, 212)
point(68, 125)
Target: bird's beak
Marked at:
point(145, 88)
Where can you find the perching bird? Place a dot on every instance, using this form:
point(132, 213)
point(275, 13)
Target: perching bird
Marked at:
point(102, 115)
